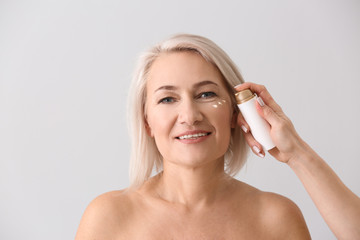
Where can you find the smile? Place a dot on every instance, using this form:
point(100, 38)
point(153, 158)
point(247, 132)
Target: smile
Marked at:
point(193, 136)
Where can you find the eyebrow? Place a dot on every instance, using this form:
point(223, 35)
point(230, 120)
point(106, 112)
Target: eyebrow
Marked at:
point(199, 84)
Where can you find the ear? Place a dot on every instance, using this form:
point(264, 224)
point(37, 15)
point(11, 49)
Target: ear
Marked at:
point(234, 119)
point(148, 128)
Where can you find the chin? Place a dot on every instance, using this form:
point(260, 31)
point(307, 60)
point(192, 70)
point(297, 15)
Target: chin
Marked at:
point(195, 161)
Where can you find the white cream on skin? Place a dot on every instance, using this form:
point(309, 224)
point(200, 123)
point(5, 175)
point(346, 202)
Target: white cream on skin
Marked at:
point(219, 103)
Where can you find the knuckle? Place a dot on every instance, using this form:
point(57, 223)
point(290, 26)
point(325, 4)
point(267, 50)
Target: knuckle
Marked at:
point(267, 112)
point(283, 124)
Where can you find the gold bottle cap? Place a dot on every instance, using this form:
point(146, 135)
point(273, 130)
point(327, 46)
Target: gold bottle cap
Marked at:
point(243, 96)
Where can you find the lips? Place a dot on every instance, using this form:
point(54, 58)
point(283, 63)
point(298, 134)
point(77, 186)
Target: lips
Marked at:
point(193, 135)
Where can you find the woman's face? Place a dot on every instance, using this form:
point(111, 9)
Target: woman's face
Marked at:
point(188, 110)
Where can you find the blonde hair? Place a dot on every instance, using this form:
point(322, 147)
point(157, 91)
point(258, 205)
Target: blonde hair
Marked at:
point(144, 153)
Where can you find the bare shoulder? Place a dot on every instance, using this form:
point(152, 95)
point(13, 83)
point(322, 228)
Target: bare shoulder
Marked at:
point(283, 217)
point(105, 216)
point(280, 217)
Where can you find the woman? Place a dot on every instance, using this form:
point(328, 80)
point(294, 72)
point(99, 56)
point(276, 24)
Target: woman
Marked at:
point(185, 122)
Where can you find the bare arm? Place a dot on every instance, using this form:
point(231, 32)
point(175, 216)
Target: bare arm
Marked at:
point(338, 205)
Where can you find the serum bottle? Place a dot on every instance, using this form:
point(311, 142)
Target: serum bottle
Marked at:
point(260, 129)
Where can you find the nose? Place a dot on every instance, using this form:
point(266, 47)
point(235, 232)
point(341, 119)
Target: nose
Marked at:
point(189, 113)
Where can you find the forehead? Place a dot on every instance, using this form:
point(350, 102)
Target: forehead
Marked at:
point(181, 68)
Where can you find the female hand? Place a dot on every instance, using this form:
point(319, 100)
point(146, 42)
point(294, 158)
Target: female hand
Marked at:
point(338, 205)
point(288, 142)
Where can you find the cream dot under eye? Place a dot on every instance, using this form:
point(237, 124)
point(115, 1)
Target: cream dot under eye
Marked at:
point(219, 103)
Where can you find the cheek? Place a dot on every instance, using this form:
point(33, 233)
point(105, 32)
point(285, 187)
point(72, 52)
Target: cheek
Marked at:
point(220, 111)
point(219, 104)
point(220, 116)
point(160, 122)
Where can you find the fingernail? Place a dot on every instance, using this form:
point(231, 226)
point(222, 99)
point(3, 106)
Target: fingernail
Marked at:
point(244, 128)
point(260, 101)
point(238, 85)
point(257, 150)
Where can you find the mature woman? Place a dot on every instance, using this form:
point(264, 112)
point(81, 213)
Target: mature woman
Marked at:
point(185, 124)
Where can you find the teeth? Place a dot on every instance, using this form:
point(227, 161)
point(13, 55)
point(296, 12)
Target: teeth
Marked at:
point(193, 136)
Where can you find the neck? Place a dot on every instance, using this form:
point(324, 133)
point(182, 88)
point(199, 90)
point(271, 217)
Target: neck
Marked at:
point(193, 187)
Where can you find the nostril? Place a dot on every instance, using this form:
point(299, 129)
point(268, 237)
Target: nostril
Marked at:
point(189, 112)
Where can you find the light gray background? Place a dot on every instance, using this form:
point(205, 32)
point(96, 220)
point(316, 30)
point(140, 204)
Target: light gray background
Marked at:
point(65, 68)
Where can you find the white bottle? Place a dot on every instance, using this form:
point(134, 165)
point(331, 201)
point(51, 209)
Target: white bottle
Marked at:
point(260, 129)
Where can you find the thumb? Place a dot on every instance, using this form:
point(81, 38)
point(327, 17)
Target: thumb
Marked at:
point(266, 112)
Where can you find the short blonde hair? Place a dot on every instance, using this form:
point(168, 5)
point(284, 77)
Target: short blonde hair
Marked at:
point(144, 153)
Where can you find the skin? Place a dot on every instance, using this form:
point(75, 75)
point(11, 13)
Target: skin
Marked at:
point(193, 198)
point(338, 205)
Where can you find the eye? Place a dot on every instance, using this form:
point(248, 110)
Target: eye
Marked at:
point(207, 95)
point(166, 100)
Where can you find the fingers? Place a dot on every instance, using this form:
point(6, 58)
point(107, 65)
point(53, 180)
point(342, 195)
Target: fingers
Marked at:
point(282, 130)
point(266, 112)
point(242, 123)
point(255, 146)
point(262, 92)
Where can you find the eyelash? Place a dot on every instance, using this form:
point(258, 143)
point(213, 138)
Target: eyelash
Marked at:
point(212, 94)
point(168, 100)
